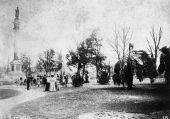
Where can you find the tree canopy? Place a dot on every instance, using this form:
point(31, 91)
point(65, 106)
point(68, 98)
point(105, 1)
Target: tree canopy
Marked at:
point(48, 62)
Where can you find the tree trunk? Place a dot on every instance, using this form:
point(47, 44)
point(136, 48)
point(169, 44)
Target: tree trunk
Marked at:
point(97, 71)
point(79, 67)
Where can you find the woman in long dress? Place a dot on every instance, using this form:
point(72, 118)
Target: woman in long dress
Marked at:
point(52, 83)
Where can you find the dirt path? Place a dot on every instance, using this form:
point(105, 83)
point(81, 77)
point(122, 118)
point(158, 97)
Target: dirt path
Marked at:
point(7, 104)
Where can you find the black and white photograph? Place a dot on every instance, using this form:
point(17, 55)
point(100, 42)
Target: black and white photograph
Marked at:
point(84, 59)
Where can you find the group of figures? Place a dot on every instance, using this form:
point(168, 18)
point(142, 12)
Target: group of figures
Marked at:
point(123, 73)
point(51, 83)
point(124, 70)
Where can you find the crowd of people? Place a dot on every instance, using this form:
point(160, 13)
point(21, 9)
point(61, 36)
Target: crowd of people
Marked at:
point(50, 83)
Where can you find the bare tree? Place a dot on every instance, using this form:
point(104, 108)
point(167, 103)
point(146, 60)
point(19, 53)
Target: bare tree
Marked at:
point(122, 47)
point(153, 44)
point(115, 44)
point(121, 42)
point(125, 39)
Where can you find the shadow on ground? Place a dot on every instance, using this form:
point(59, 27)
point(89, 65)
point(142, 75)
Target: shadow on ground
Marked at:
point(141, 99)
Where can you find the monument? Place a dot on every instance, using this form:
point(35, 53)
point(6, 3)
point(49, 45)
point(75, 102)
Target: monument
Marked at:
point(16, 64)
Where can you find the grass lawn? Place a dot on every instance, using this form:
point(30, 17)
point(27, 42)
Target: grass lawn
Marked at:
point(69, 103)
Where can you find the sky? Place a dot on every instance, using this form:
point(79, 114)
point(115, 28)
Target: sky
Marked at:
point(60, 24)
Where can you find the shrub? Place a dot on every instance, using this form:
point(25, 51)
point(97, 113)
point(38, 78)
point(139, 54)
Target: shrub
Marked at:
point(103, 78)
point(77, 80)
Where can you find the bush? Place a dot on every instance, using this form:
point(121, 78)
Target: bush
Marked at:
point(77, 80)
point(103, 78)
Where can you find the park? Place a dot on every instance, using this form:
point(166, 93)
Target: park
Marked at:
point(84, 59)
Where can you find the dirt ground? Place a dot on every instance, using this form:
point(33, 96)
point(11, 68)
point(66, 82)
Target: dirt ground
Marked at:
point(144, 101)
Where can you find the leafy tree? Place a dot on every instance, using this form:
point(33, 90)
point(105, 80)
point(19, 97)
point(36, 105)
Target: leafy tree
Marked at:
point(39, 66)
point(94, 50)
point(87, 52)
point(148, 65)
point(26, 64)
point(59, 62)
point(48, 63)
point(78, 59)
point(74, 60)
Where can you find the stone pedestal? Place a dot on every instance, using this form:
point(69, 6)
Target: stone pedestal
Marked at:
point(15, 70)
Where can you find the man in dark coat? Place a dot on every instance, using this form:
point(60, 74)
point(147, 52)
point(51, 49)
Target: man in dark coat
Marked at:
point(44, 80)
point(164, 66)
point(46, 84)
point(116, 78)
point(129, 73)
point(28, 82)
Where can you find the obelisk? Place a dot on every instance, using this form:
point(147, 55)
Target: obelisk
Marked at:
point(16, 63)
point(16, 29)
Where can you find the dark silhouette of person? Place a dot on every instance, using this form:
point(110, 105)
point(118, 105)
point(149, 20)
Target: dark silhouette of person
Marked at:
point(66, 80)
point(21, 81)
point(46, 84)
point(164, 66)
point(61, 78)
point(28, 82)
point(86, 77)
point(129, 73)
point(117, 68)
point(34, 81)
point(44, 80)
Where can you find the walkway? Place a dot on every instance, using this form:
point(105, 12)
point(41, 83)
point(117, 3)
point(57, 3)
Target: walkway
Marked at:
point(7, 104)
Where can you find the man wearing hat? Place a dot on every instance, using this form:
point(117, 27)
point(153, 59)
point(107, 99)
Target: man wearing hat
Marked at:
point(28, 82)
